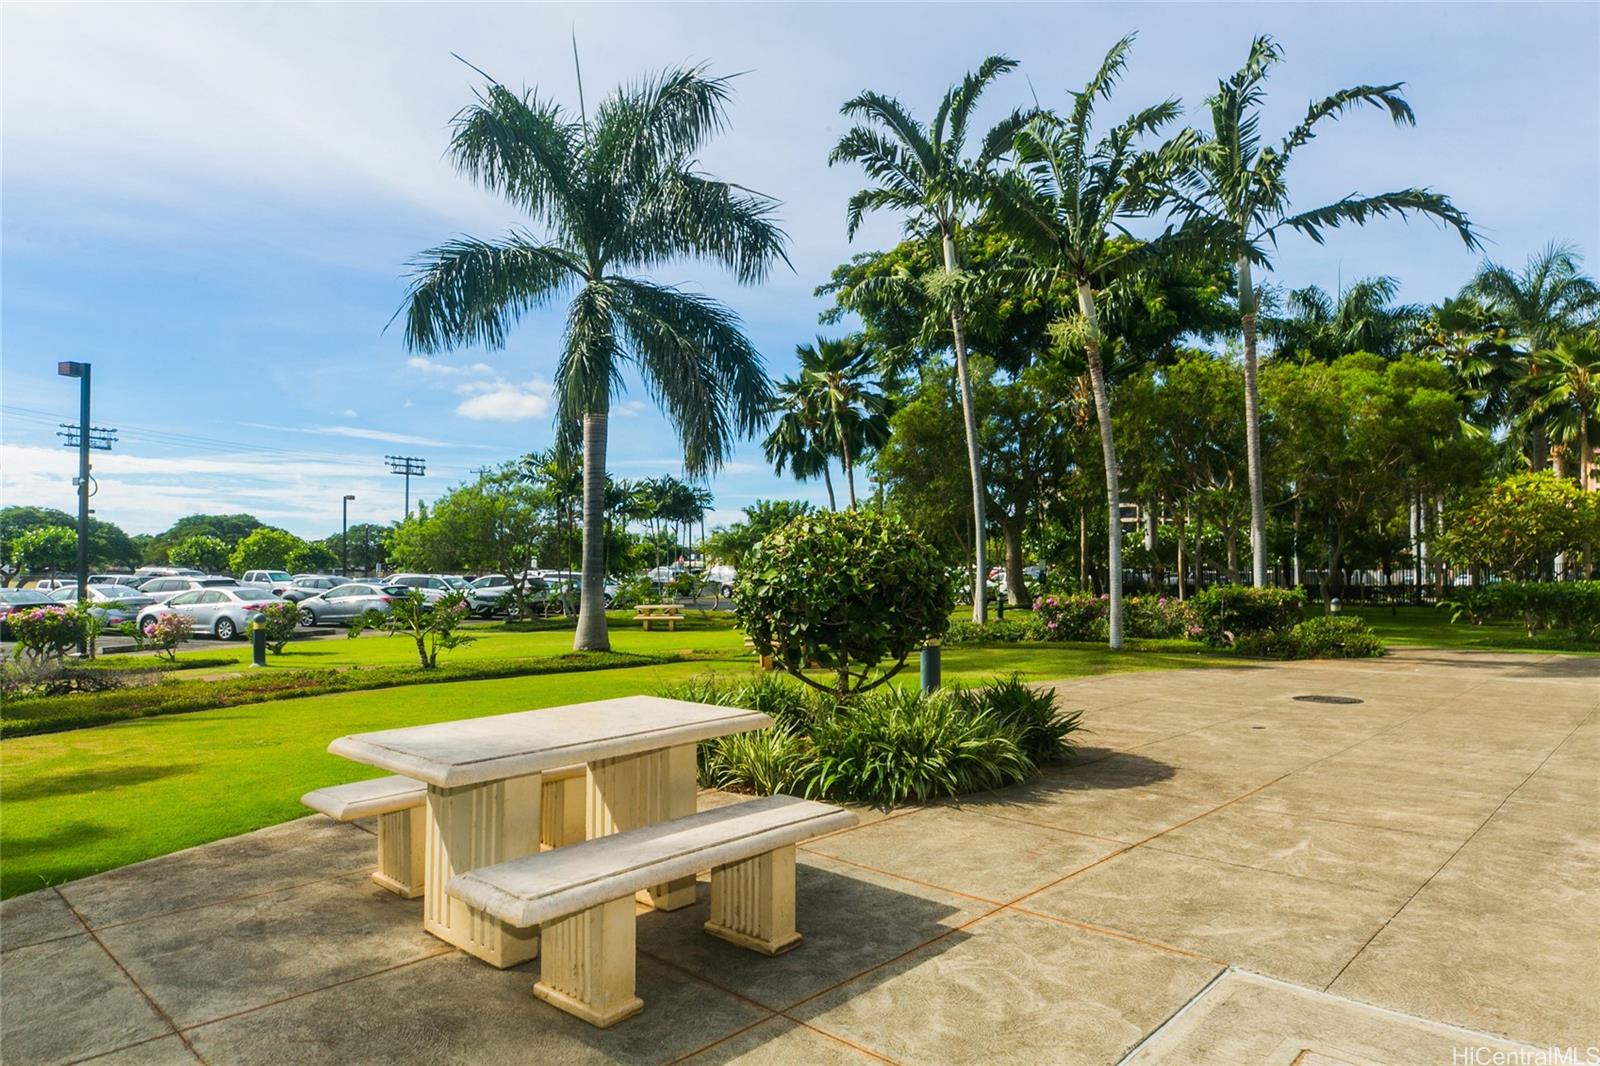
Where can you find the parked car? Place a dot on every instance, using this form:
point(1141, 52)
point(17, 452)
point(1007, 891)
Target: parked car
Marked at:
point(305, 586)
point(433, 587)
point(347, 602)
point(277, 580)
point(131, 580)
point(145, 573)
point(19, 600)
point(722, 577)
point(162, 589)
point(494, 593)
point(112, 604)
point(50, 584)
point(222, 611)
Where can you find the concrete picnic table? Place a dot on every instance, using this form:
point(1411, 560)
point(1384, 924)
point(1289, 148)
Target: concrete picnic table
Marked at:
point(484, 784)
point(658, 612)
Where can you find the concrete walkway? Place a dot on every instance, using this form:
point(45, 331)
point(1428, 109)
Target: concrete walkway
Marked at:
point(1230, 876)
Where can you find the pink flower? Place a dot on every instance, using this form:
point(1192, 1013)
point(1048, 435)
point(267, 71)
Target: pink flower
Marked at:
point(1161, 601)
point(1050, 625)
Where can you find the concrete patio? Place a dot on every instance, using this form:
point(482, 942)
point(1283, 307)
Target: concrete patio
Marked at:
point(1229, 875)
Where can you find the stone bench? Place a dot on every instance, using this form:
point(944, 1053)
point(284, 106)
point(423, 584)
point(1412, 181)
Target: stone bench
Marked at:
point(582, 897)
point(394, 799)
point(646, 618)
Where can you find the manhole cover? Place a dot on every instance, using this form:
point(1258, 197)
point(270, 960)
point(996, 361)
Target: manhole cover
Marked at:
point(1328, 699)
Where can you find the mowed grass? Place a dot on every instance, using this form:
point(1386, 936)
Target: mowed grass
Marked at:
point(1430, 627)
point(79, 802)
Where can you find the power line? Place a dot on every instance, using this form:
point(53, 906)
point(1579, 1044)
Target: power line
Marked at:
point(407, 466)
point(100, 438)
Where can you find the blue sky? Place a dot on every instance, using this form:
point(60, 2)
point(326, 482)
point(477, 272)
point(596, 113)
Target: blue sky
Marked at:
point(214, 204)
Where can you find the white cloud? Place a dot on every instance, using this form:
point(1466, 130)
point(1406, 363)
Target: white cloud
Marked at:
point(438, 369)
point(361, 433)
point(629, 409)
point(504, 401)
point(349, 412)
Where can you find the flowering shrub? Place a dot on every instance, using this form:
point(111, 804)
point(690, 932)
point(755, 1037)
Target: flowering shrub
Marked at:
point(280, 619)
point(1075, 617)
point(1156, 616)
point(48, 632)
point(1223, 614)
point(164, 633)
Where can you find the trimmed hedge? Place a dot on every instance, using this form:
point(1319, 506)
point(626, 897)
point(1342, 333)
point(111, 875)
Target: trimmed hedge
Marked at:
point(1315, 638)
point(1572, 607)
point(1226, 614)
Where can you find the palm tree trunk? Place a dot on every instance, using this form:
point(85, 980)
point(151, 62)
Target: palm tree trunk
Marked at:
point(827, 479)
point(1252, 429)
point(849, 468)
point(980, 575)
point(1102, 406)
point(591, 632)
point(1183, 576)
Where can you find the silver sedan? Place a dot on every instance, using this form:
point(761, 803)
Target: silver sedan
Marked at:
point(222, 612)
point(112, 604)
point(346, 603)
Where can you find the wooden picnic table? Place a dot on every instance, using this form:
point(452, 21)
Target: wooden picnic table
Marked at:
point(484, 784)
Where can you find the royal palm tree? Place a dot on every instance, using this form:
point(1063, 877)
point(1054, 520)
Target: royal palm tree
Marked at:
point(1066, 214)
point(616, 192)
point(797, 439)
point(843, 374)
point(1237, 189)
point(923, 172)
point(1546, 300)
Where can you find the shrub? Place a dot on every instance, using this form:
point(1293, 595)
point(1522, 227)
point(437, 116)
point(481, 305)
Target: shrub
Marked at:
point(897, 745)
point(1079, 616)
point(433, 626)
point(48, 632)
point(633, 591)
point(772, 694)
point(995, 631)
point(1029, 715)
point(1156, 617)
point(1540, 606)
point(763, 762)
point(1334, 638)
point(163, 633)
point(1225, 614)
point(21, 678)
point(1519, 522)
point(279, 620)
point(848, 590)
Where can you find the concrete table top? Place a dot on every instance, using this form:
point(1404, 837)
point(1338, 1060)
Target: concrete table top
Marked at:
point(475, 750)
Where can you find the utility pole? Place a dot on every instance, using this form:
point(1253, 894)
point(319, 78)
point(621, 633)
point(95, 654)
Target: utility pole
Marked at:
point(344, 540)
point(407, 466)
point(83, 436)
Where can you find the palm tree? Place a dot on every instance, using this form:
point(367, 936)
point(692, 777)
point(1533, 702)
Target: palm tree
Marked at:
point(1362, 318)
point(841, 373)
point(1236, 189)
point(1066, 215)
point(617, 192)
point(923, 173)
point(1548, 298)
point(797, 437)
point(1565, 397)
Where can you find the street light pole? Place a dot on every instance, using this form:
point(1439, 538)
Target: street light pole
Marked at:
point(344, 540)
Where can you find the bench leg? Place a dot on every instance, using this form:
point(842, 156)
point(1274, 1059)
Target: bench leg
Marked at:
point(634, 791)
point(471, 827)
point(401, 845)
point(587, 964)
point(752, 902)
point(561, 811)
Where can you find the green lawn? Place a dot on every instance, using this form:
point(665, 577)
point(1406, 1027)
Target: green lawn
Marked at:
point(94, 799)
point(1430, 627)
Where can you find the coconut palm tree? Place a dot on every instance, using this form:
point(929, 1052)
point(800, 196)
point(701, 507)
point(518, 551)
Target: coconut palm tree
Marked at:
point(797, 437)
point(617, 192)
point(1066, 213)
point(1565, 398)
point(1546, 300)
point(843, 375)
point(923, 172)
point(1236, 188)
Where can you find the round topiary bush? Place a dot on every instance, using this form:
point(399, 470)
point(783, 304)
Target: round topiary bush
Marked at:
point(848, 591)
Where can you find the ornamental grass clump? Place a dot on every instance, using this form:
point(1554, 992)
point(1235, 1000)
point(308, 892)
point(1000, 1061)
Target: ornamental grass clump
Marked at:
point(1029, 715)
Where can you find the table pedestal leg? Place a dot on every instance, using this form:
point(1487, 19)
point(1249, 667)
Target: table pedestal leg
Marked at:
point(468, 828)
point(634, 791)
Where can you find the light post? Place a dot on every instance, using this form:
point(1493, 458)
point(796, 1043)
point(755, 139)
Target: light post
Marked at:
point(81, 372)
point(344, 539)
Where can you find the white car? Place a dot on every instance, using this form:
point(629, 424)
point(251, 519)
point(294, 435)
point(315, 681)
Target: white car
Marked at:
point(277, 580)
point(162, 589)
point(221, 611)
point(433, 587)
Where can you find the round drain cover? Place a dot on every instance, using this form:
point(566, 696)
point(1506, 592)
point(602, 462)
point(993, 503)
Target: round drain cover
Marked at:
point(1328, 699)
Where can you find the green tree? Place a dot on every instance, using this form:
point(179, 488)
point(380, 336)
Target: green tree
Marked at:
point(312, 557)
point(1236, 189)
point(1518, 523)
point(267, 548)
point(841, 374)
point(1565, 398)
point(616, 191)
point(363, 543)
point(923, 173)
point(45, 549)
point(760, 518)
point(1067, 214)
point(108, 544)
point(797, 439)
point(1362, 318)
point(202, 552)
point(229, 528)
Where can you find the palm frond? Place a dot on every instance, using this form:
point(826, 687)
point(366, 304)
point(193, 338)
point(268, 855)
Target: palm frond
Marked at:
point(892, 114)
point(470, 291)
point(1358, 209)
point(521, 147)
point(682, 215)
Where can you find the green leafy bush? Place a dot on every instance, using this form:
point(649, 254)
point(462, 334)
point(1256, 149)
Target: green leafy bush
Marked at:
point(1078, 616)
point(279, 620)
point(994, 631)
point(1029, 715)
point(1226, 614)
point(1157, 617)
point(432, 626)
point(163, 633)
point(1540, 606)
point(48, 632)
point(22, 678)
point(774, 695)
point(633, 591)
point(848, 590)
point(764, 762)
point(1517, 523)
point(1334, 638)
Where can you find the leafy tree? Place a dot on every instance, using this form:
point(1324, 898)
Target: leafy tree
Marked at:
point(1067, 213)
point(1362, 318)
point(431, 625)
point(202, 552)
point(617, 191)
point(1518, 523)
point(494, 524)
point(923, 173)
point(267, 548)
point(1236, 190)
point(229, 528)
point(365, 543)
point(45, 549)
point(1565, 397)
point(312, 557)
point(108, 544)
point(848, 590)
point(760, 518)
